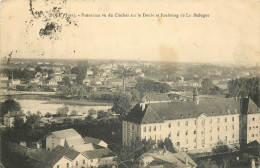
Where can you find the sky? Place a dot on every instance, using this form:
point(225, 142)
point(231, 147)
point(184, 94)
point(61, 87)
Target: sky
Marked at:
point(231, 33)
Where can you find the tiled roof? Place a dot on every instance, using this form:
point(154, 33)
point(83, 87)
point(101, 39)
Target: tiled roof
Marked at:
point(158, 112)
point(176, 159)
point(68, 133)
point(69, 153)
point(92, 140)
point(74, 141)
point(46, 157)
point(84, 147)
point(99, 153)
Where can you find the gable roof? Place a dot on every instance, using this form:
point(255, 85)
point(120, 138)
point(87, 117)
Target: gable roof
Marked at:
point(84, 147)
point(158, 112)
point(99, 153)
point(46, 157)
point(65, 151)
point(70, 142)
point(169, 159)
point(91, 140)
point(68, 133)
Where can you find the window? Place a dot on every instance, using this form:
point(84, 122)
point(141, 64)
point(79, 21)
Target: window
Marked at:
point(233, 118)
point(58, 166)
point(160, 127)
point(144, 129)
point(225, 138)
point(218, 120)
point(91, 160)
point(210, 121)
point(178, 133)
point(249, 128)
point(233, 127)
point(187, 141)
point(84, 161)
point(68, 165)
point(253, 119)
point(210, 138)
point(150, 128)
point(194, 132)
point(133, 127)
point(187, 123)
point(52, 145)
point(226, 119)
point(178, 123)
point(186, 132)
point(155, 137)
point(154, 128)
point(253, 135)
point(218, 128)
point(226, 128)
point(77, 163)
point(194, 140)
point(169, 125)
point(233, 136)
point(178, 144)
point(218, 137)
point(210, 129)
point(137, 128)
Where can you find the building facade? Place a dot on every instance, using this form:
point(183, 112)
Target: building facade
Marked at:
point(197, 124)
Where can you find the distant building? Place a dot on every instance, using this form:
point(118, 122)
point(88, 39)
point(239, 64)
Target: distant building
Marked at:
point(10, 117)
point(89, 72)
point(52, 82)
point(161, 158)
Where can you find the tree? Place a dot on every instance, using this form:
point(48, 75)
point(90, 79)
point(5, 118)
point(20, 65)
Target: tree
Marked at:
point(28, 113)
point(10, 105)
point(243, 87)
point(62, 111)
point(18, 122)
point(33, 119)
point(66, 81)
point(135, 95)
point(38, 113)
point(220, 148)
point(122, 105)
point(47, 115)
point(92, 111)
point(102, 114)
point(206, 86)
point(169, 145)
point(74, 113)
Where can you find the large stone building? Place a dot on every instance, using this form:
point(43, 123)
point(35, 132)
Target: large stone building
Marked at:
point(197, 124)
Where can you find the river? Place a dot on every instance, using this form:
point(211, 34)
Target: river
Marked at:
point(40, 105)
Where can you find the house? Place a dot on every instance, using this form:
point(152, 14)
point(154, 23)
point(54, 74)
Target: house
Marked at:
point(47, 159)
point(10, 117)
point(14, 82)
point(95, 141)
point(97, 157)
point(194, 125)
point(161, 158)
point(59, 138)
point(253, 148)
point(86, 82)
point(52, 82)
point(77, 158)
point(36, 80)
point(89, 72)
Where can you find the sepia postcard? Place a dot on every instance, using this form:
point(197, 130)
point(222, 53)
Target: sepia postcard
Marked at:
point(129, 84)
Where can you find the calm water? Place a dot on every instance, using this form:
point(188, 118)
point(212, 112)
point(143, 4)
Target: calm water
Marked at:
point(39, 105)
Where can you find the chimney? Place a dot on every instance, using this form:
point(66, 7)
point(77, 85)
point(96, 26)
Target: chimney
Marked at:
point(186, 161)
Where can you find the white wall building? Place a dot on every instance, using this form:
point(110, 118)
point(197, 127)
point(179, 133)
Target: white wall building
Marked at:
point(198, 124)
